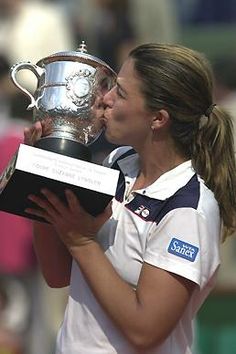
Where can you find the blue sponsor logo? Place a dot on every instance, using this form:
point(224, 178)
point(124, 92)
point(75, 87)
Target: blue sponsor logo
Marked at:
point(183, 249)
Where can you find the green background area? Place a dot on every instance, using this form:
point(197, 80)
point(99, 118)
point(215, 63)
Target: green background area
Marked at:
point(216, 325)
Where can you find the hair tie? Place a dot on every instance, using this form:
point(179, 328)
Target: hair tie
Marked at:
point(209, 110)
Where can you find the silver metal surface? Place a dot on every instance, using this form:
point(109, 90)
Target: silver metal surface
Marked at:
point(70, 85)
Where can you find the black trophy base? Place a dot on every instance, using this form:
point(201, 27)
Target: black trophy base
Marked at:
point(25, 174)
point(14, 198)
point(65, 147)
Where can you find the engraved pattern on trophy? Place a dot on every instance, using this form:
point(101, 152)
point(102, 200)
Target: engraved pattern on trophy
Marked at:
point(79, 86)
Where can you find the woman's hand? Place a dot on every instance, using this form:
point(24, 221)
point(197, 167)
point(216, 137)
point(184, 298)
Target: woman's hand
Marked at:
point(73, 224)
point(35, 132)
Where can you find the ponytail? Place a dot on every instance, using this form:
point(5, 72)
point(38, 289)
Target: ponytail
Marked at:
point(214, 160)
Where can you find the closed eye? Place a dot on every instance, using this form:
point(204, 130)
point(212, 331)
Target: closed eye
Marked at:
point(120, 92)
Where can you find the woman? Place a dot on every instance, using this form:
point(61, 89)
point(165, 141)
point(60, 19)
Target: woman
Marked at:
point(139, 272)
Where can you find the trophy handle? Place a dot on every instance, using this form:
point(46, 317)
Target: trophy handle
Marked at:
point(28, 66)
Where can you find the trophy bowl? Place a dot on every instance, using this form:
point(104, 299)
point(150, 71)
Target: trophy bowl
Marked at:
point(68, 99)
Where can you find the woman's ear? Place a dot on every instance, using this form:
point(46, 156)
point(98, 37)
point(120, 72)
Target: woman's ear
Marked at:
point(160, 120)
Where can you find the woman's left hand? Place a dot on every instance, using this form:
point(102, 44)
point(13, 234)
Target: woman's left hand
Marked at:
point(74, 225)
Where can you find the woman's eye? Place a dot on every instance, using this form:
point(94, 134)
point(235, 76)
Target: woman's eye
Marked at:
point(119, 93)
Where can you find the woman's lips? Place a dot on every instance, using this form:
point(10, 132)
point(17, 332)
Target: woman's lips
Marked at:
point(103, 122)
point(105, 117)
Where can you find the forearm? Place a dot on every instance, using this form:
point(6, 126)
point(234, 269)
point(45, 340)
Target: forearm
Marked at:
point(53, 257)
point(119, 300)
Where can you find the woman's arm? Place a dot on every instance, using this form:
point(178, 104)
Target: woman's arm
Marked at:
point(53, 257)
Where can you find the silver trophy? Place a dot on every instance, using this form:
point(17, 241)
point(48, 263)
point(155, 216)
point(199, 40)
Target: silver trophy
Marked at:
point(68, 95)
point(69, 101)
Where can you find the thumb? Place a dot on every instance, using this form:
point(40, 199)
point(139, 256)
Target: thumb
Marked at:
point(108, 210)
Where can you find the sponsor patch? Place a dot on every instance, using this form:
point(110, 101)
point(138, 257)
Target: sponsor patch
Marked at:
point(183, 249)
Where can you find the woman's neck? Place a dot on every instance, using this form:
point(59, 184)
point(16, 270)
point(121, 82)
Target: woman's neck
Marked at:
point(156, 161)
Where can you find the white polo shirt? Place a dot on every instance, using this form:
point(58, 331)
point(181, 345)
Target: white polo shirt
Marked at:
point(173, 224)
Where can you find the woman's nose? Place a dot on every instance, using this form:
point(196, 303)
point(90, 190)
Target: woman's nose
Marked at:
point(108, 98)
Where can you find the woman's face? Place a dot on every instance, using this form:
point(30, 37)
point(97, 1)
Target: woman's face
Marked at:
point(126, 120)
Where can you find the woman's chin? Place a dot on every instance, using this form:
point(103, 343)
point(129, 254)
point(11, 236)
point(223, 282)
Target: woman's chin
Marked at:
point(110, 138)
point(114, 138)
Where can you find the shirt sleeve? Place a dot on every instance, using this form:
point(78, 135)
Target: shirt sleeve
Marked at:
point(186, 244)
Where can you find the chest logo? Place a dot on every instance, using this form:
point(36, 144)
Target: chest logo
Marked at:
point(183, 249)
point(142, 211)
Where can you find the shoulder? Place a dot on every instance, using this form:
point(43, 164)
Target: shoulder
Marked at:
point(194, 195)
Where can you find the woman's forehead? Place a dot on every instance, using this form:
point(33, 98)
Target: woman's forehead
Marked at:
point(128, 75)
point(127, 67)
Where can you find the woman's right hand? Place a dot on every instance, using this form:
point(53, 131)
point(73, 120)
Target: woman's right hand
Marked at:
point(33, 133)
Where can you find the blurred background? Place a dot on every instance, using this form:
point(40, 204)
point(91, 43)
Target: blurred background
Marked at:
point(30, 312)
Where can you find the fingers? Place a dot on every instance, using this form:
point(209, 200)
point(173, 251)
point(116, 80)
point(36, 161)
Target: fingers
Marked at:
point(72, 200)
point(108, 210)
point(40, 213)
point(52, 204)
point(32, 134)
point(105, 215)
point(36, 131)
point(46, 126)
point(50, 207)
point(71, 217)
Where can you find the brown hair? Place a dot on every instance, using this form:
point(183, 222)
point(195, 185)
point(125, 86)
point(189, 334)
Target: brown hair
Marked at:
point(180, 80)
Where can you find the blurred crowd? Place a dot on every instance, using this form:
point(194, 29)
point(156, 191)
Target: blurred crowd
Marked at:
point(30, 312)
